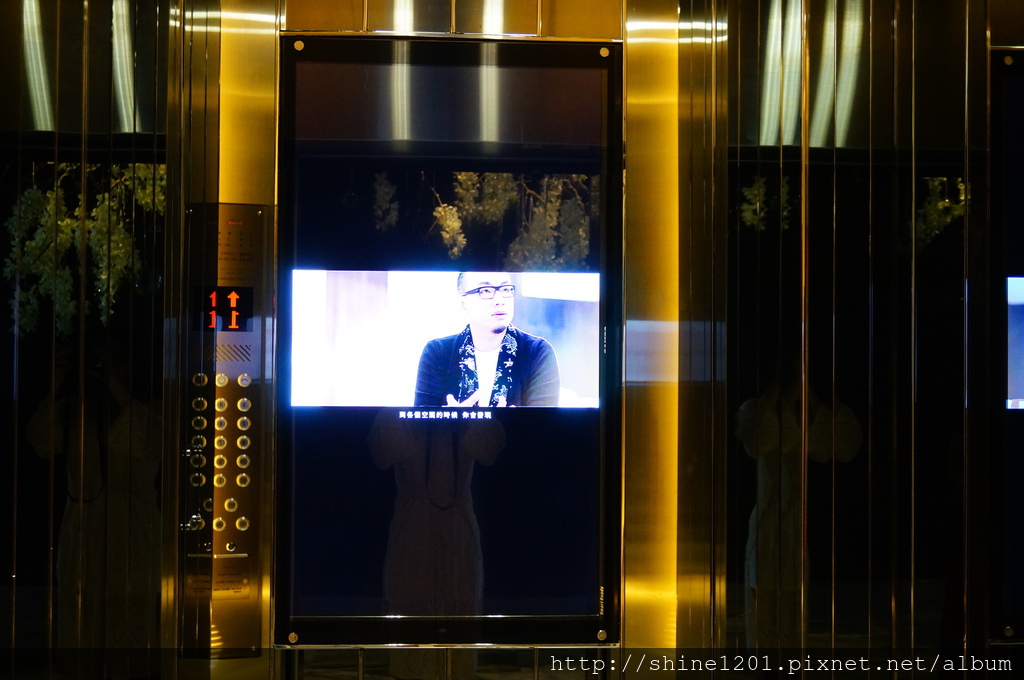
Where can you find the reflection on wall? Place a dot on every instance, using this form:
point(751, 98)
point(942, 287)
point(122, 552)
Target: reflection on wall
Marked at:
point(848, 379)
point(837, 61)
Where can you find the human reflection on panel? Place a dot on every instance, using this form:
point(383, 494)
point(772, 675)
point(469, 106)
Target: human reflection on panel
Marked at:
point(769, 427)
point(102, 423)
point(433, 565)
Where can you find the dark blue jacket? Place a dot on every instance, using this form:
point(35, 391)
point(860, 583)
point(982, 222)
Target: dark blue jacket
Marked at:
point(535, 380)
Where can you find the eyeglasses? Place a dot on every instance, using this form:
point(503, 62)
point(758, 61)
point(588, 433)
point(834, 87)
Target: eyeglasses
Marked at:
point(487, 292)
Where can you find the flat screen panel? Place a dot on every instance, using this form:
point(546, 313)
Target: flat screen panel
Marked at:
point(449, 342)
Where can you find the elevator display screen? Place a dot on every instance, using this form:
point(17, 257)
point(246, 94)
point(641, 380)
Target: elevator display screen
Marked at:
point(339, 318)
point(449, 342)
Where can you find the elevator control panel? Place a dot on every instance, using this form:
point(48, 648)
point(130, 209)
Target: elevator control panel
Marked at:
point(227, 394)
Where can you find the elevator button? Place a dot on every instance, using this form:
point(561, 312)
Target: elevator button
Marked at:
point(197, 460)
point(242, 523)
point(208, 505)
point(244, 442)
point(199, 441)
point(221, 423)
point(199, 423)
point(194, 523)
point(219, 524)
point(221, 380)
point(244, 423)
point(244, 404)
point(199, 404)
point(220, 443)
point(243, 461)
point(219, 481)
point(220, 461)
point(231, 505)
point(221, 404)
point(199, 379)
point(197, 479)
point(231, 547)
point(243, 480)
point(244, 380)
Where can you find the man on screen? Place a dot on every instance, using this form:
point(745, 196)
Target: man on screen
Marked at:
point(491, 362)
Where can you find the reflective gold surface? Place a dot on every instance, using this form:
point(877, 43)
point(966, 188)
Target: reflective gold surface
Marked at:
point(581, 19)
point(318, 15)
point(409, 16)
point(248, 96)
point(496, 17)
point(651, 425)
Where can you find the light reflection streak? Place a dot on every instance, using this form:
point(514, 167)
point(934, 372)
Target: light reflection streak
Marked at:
point(849, 65)
point(35, 66)
point(404, 16)
point(489, 92)
point(791, 73)
point(825, 98)
point(494, 17)
point(494, 24)
point(834, 98)
point(401, 77)
point(400, 96)
point(124, 74)
point(770, 96)
point(689, 31)
point(210, 22)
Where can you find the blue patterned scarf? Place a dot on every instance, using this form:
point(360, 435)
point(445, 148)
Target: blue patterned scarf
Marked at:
point(468, 380)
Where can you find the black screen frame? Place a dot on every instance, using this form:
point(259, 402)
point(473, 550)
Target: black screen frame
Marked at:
point(601, 627)
point(1006, 610)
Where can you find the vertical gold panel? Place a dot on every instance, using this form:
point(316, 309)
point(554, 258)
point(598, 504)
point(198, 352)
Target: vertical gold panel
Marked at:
point(652, 323)
point(323, 15)
point(248, 93)
point(583, 19)
point(248, 175)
